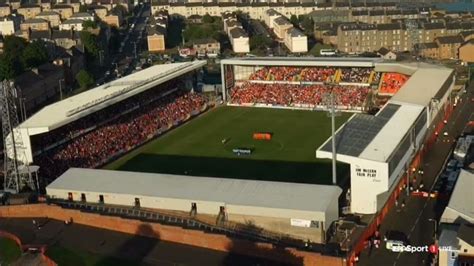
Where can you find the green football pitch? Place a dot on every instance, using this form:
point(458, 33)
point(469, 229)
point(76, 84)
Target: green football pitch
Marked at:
point(196, 148)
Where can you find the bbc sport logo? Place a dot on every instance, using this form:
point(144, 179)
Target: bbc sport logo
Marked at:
point(434, 249)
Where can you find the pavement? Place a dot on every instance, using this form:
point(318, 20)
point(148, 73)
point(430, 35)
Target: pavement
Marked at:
point(414, 219)
point(149, 251)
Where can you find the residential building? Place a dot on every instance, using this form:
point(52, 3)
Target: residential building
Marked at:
point(207, 46)
point(99, 11)
point(239, 40)
point(14, 4)
point(83, 16)
point(72, 61)
point(355, 38)
point(460, 240)
point(29, 11)
point(389, 35)
point(331, 15)
point(230, 24)
point(377, 17)
point(114, 19)
point(72, 24)
point(280, 27)
point(427, 50)
point(296, 41)
point(8, 26)
point(386, 54)
point(34, 24)
point(75, 4)
point(156, 38)
point(66, 39)
point(53, 17)
point(194, 19)
point(466, 51)
point(45, 5)
point(5, 10)
point(432, 30)
point(39, 86)
point(448, 46)
point(467, 35)
point(65, 11)
point(270, 16)
point(457, 224)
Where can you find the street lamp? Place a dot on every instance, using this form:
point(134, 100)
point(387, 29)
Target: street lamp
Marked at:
point(435, 228)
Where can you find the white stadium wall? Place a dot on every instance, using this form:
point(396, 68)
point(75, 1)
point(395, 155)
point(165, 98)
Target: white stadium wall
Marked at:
point(368, 179)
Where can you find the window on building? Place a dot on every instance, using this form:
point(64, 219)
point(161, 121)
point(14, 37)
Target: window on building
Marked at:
point(83, 197)
point(314, 224)
point(101, 198)
point(69, 196)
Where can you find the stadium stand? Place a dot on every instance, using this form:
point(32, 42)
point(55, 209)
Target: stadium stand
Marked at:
point(314, 74)
point(347, 97)
point(135, 123)
point(355, 74)
point(392, 82)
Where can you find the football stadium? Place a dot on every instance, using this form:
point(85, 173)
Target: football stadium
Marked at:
point(258, 157)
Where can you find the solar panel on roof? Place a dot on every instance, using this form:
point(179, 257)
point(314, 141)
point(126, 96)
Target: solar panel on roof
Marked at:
point(360, 131)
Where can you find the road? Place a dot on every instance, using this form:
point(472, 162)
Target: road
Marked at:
point(107, 244)
point(413, 219)
point(132, 44)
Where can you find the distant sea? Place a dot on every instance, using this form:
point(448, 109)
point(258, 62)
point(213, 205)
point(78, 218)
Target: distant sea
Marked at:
point(456, 6)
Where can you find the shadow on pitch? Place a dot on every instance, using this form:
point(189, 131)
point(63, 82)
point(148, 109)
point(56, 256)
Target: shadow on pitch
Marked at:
point(241, 168)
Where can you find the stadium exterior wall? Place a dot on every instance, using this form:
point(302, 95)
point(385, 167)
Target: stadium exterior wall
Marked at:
point(260, 216)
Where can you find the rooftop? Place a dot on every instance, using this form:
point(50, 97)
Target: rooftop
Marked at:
point(238, 33)
point(466, 233)
point(462, 198)
point(303, 61)
point(372, 137)
point(294, 32)
point(450, 39)
point(225, 191)
point(80, 105)
point(422, 87)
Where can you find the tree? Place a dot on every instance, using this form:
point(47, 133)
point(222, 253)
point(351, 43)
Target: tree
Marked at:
point(14, 45)
point(207, 19)
point(308, 25)
point(10, 66)
point(90, 44)
point(89, 24)
point(84, 79)
point(294, 20)
point(259, 41)
point(34, 54)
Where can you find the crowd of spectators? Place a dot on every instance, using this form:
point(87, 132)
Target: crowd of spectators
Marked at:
point(121, 134)
point(347, 97)
point(392, 82)
point(356, 74)
point(315, 74)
